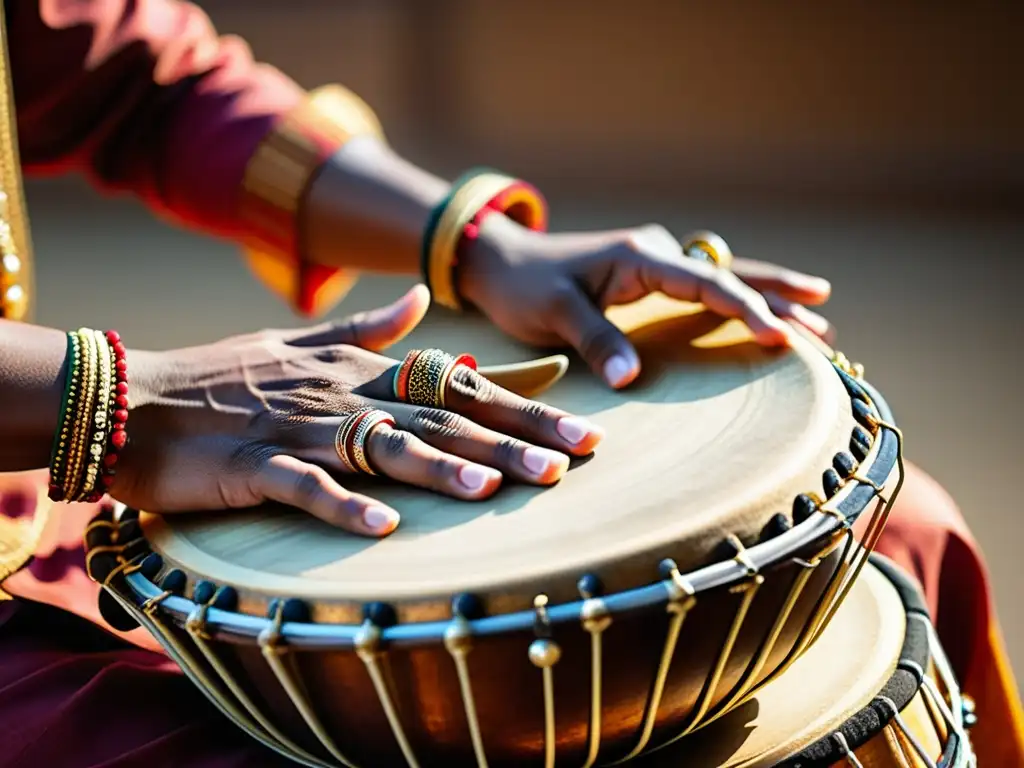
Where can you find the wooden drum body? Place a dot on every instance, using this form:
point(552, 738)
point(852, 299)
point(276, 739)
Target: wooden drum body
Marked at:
point(657, 587)
point(875, 691)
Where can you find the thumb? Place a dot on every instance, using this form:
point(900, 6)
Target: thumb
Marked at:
point(598, 341)
point(375, 329)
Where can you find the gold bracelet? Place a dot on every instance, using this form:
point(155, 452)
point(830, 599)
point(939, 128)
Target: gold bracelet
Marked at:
point(502, 193)
point(100, 415)
point(80, 426)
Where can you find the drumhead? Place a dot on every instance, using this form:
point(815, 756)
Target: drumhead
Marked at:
point(837, 677)
point(716, 437)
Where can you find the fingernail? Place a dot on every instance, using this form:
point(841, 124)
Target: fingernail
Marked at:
point(541, 462)
point(618, 370)
point(817, 284)
point(380, 519)
point(575, 430)
point(475, 477)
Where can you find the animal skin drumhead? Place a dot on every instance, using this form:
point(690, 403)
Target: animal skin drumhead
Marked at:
point(716, 436)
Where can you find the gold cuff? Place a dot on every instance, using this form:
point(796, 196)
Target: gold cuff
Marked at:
point(276, 182)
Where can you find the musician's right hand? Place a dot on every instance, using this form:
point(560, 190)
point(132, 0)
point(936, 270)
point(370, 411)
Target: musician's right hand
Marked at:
point(254, 418)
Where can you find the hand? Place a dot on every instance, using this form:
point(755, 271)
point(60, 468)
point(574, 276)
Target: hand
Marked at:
point(551, 289)
point(254, 418)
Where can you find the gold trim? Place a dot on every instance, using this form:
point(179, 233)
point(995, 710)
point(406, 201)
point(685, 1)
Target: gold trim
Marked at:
point(13, 210)
point(277, 179)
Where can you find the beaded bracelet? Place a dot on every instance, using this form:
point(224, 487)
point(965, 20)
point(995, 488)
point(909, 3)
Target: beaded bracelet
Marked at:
point(457, 219)
point(93, 417)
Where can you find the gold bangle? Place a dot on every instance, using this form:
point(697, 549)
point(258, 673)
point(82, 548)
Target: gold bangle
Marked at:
point(518, 200)
point(80, 425)
point(100, 416)
point(58, 468)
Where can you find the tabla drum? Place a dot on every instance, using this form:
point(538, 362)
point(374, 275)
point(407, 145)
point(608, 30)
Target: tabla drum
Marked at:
point(876, 690)
point(697, 554)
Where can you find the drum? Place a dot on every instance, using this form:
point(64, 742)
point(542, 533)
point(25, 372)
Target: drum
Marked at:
point(888, 699)
point(665, 579)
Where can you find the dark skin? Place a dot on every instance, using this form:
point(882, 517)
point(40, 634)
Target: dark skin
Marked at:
point(253, 418)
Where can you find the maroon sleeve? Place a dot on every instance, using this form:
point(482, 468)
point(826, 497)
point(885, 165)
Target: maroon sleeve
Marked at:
point(144, 97)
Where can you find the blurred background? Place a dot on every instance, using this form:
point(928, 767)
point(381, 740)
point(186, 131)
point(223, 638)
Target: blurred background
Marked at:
point(879, 144)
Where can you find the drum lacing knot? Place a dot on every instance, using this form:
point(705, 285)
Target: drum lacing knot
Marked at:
point(544, 651)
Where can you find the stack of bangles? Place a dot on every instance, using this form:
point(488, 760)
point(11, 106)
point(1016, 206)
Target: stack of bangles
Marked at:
point(457, 219)
point(420, 379)
point(93, 417)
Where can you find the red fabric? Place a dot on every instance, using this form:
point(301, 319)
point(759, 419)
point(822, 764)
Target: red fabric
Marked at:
point(146, 98)
point(121, 706)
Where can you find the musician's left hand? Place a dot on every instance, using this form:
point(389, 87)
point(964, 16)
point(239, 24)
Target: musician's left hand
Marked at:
point(550, 289)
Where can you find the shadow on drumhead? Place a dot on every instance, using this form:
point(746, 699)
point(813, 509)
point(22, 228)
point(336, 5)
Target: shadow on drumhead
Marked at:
point(714, 745)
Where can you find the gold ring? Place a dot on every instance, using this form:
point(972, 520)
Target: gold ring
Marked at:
point(704, 245)
point(341, 437)
point(425, 377)
point(366, 425)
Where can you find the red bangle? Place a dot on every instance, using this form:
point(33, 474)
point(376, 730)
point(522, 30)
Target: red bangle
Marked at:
point(119, 414)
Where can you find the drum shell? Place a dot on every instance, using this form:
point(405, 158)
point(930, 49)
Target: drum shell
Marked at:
point(508, 689)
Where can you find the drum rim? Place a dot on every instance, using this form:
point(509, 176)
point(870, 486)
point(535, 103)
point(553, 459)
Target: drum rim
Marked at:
point(915, 657)
point(297, 630)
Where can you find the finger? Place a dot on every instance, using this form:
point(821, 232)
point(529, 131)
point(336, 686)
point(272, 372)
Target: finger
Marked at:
point(459, 436)
point(308, 487)
point(597, 340)
point(787, 283)
point(483, 401)
point(812, 321)
point(375, 329)
point(720, 291)
point(406, 458)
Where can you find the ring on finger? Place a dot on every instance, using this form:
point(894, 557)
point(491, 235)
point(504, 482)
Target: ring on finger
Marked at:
point(353, 432)
point(704, 245)
point(422, 377)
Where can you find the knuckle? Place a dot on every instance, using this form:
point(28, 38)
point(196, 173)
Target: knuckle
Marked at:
point(467, 383)
point(439, 471)
point(507, 451)
point(533, 414)
point(332, 355)
point(562, 298)
point(433, 422)
point(394, 442)
point(598, 343)
point(309, 485)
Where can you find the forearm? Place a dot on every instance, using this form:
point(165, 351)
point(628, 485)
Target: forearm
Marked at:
point(367, 209)
point(32, 373)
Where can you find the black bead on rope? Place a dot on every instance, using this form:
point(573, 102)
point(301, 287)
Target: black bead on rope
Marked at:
point(589, 585)
point(803, 507)
point(203, 592)
point(863, 414)
point(101, 565)
point(151, 566)
point(776, 526)
point(292, 609)
point(226, 599)
point(174, 581)
point(467, 606)
point(832, 482)
point(844, 464)
point(129, 514)
point(98, 536)
point(115, 615)
point(380, 614)
point(860, 443)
